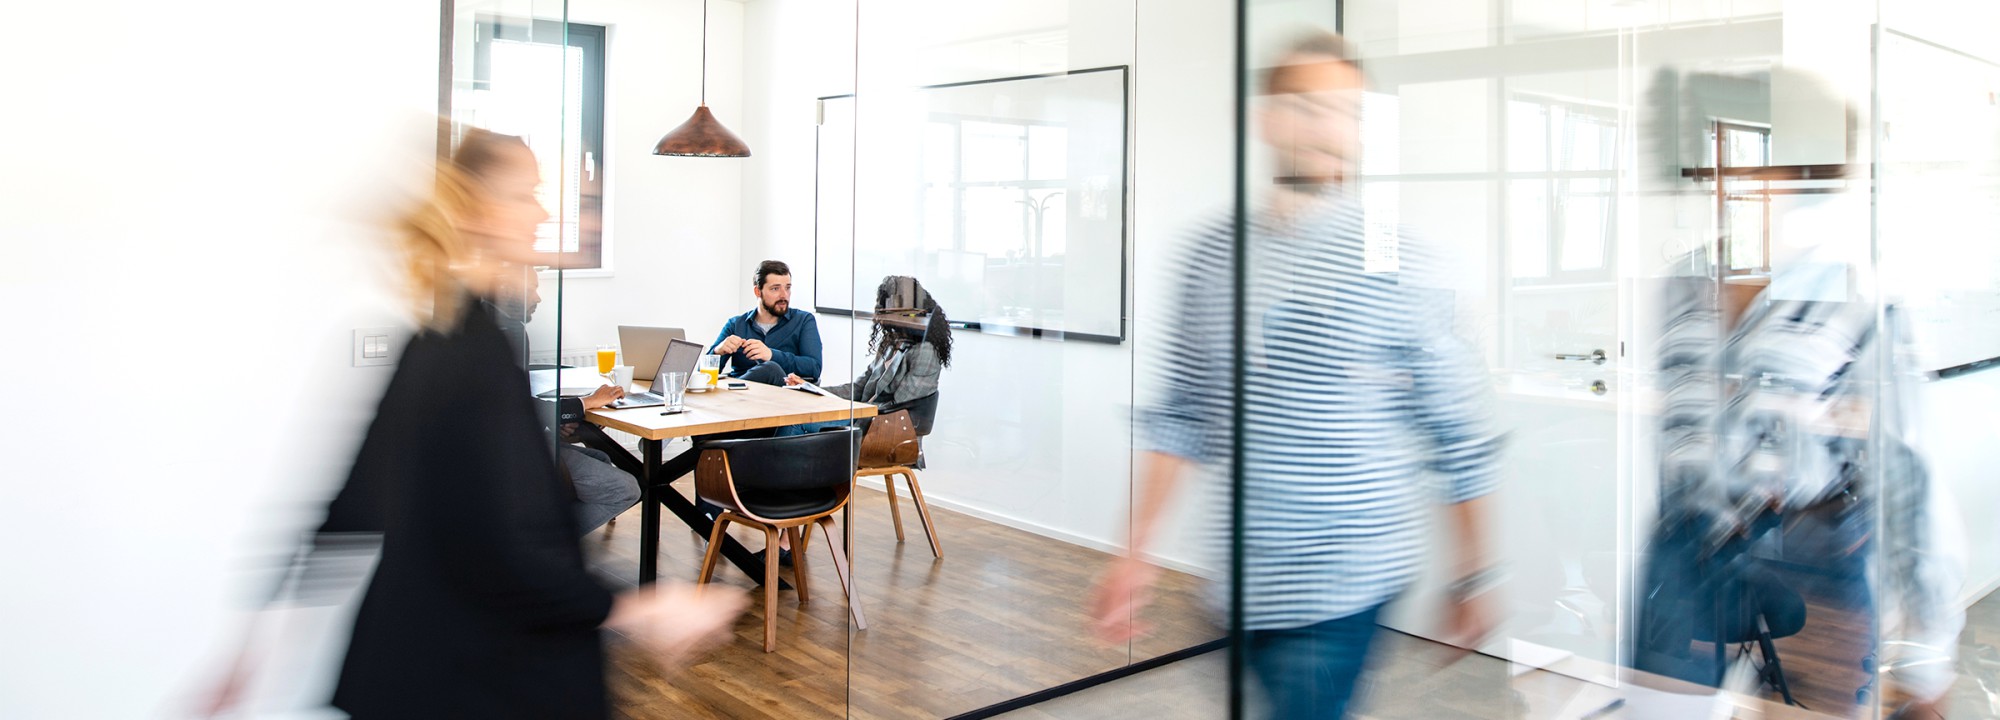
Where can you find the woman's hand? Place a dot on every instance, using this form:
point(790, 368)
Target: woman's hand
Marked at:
point(794, 379)
point(674, 621)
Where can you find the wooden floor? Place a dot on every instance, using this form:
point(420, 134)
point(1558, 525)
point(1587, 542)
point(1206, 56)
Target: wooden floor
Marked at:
point(1002, 615)
point(1414, 679)
point(1410, 679)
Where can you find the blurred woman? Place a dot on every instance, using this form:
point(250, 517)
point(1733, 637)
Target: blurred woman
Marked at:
point(480, 605)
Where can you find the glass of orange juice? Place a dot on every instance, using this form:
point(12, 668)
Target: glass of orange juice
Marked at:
point(711, 366)
point(607, 358)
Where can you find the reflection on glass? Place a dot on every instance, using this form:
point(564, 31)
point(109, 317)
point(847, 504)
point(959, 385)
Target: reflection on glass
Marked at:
point(1020, 218)
point(1528, 227)
point(1562, 221)
point(1746, 222)
point(993, 152)
point(1586, 222)
point(1527, 136)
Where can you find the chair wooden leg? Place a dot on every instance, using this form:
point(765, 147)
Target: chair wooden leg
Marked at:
point(799, 574)
point(714, 549)
point(840, 570)
point(770, 589)
point(895, 508)
point(924, 511)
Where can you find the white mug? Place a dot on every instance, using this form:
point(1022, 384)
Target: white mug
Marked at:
point(620, 376)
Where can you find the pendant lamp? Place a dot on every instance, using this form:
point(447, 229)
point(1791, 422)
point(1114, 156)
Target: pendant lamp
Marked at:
point(702, 135)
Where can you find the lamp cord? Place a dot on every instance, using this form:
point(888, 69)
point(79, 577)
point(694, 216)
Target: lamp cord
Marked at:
point(704, 52)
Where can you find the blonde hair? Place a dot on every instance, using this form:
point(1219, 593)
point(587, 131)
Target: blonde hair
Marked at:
point(431, 237)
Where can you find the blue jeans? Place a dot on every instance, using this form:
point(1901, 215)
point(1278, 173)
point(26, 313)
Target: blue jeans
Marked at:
point(809, 428)
point(766, 372)
point(1311, 671)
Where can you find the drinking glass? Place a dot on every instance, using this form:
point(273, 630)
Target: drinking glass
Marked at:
point(711, 366)
point(673, 387)
point(607, 358)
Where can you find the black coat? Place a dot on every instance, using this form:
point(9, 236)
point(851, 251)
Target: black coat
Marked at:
point(480, 605)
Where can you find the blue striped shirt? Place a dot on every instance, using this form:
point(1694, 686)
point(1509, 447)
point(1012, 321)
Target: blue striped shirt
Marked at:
point(1354, 388)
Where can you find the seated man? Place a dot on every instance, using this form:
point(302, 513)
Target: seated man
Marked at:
point(772, 340)
point(601, 490)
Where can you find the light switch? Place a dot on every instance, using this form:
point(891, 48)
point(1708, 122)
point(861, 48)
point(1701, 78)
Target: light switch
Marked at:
point(374, 346)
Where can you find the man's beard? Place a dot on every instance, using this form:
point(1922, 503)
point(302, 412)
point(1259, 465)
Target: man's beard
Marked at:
point(783, 305)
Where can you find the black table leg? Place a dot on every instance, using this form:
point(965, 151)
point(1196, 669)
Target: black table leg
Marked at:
point(656, 478)
point(649, 513)
point(685, 509)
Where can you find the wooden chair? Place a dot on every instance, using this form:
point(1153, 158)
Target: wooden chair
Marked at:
point(781, 485)
point(892, 447)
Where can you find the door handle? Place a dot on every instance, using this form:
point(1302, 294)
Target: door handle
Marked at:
point(1596, 357)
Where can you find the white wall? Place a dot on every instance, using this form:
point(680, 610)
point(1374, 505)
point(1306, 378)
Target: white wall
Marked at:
point(185, 223)
point(672, 223)
point(1033, 433)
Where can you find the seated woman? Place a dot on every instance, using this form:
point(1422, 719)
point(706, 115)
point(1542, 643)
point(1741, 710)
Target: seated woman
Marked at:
point(910, 346)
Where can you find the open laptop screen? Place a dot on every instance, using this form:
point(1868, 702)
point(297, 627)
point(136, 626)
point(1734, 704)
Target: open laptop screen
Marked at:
point(681, 357)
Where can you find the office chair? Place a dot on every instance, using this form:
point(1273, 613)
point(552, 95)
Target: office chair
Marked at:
point(1757, 610)
point(781, 484)
point(892, 447)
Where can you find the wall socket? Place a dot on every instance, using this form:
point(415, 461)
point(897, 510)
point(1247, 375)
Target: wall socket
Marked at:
point(376, 346)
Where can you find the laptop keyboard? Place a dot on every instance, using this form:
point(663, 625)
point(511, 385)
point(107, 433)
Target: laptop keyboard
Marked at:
point(638, 398)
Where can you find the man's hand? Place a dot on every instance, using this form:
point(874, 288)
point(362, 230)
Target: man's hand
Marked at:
point(757, 349)
point(603, 396)
point(1470, 621)
point(729, 345)
point(1124, 591)
point(794, 379)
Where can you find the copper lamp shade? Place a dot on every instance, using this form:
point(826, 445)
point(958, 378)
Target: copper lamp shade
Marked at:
point(702, 136)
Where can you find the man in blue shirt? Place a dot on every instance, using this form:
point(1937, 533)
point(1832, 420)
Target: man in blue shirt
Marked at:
point(772, 340)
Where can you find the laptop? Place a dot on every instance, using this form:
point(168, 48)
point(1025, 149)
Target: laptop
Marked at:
point(679, 356)
point(645, 346)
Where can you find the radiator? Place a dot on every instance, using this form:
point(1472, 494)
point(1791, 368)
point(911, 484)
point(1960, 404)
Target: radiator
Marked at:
point(570, 357)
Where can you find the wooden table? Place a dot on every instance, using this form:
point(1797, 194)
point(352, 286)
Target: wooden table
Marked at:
point(709, 413)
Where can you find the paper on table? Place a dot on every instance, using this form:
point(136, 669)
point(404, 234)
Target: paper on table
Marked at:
point(540, 381)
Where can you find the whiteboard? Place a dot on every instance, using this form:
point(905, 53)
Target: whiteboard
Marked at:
point(1006, 198)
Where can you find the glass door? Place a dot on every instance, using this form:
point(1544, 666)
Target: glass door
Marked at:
point(1597, 233)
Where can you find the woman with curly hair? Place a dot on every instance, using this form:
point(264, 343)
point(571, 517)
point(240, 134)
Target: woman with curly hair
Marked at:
point(909, 347)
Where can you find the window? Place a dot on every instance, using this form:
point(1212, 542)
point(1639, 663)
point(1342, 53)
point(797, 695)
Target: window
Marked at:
point(520, 69)
point(1561, 191)
point(1746, 218)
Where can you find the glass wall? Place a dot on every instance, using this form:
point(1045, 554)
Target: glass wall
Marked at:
point(1634, 346)
point(514, 69)
point(996, 184)
point(968, 233)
